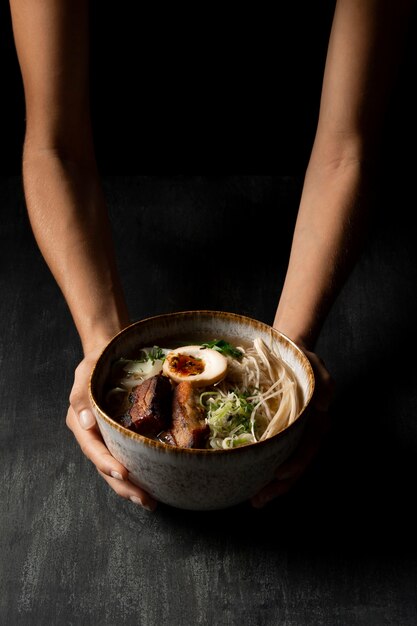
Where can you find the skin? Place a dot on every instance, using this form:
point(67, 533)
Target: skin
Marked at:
point(70, 222)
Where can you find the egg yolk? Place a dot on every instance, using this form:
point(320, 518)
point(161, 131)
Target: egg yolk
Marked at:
point(185, 364)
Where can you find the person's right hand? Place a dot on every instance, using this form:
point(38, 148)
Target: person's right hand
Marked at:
point(82, 423)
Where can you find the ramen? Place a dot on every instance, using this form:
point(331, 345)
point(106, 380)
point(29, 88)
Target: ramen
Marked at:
point(212, 395)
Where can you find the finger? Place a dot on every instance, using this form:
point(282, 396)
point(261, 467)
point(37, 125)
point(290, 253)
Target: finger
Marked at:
point(287, 476)
point(307, 450)
point(79, 398)
point(273, 490)
point(115, 474)
point(132, 492)
point(316, 428)
point(324, 392)
point(91, 443)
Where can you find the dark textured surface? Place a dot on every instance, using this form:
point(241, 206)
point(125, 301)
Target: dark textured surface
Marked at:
point(339, 550)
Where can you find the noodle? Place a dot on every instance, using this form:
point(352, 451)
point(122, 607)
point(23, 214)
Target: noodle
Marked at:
point(272, 389)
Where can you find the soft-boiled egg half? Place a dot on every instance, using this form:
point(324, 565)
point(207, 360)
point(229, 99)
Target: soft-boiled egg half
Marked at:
point(200, 366)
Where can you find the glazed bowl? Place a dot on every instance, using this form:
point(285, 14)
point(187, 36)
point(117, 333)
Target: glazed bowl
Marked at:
point(198, 479)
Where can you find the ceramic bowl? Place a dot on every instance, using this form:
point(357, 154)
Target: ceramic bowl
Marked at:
point(189, 478)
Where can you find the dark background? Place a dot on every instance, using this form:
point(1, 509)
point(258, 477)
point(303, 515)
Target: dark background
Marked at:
point(223, 90)
point(216, 88)
point(221, 94)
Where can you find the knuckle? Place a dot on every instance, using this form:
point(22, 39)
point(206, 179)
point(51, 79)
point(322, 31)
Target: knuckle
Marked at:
point(78, 399)
point(73, 397)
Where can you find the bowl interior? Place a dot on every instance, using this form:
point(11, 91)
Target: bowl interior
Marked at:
point(189, 327)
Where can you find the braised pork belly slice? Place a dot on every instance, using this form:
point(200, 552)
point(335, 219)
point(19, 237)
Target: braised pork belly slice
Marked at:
point(151, 409)
point(188, 428)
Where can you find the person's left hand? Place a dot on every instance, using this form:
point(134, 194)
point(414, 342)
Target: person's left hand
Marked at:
point(317, 426)
point(82, 423)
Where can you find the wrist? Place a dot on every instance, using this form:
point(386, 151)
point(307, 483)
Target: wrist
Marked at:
point(302, 335)
point(299, 321)
point(96, 333)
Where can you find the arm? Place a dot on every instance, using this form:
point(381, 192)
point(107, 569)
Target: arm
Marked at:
point(64, 197)
point(364, 49)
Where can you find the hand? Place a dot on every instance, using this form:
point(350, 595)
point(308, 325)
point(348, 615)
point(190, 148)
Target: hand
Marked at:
point(82, 423)
point(317, 426)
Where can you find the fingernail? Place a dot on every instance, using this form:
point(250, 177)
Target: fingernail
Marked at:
point(137, 500)
point(86, 419)
point(116, 475)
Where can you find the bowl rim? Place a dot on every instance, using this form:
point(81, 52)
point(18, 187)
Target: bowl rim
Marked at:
point(154, 443)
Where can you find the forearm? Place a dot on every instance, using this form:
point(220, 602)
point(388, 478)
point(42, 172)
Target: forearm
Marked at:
point(70, 223)
point(327, 238)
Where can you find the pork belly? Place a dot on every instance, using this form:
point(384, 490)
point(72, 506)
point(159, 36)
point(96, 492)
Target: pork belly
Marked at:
point(151, 409)
point(188, 428)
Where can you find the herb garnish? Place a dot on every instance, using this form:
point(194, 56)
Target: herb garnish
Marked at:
point(154, 354)
point(224, 347)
